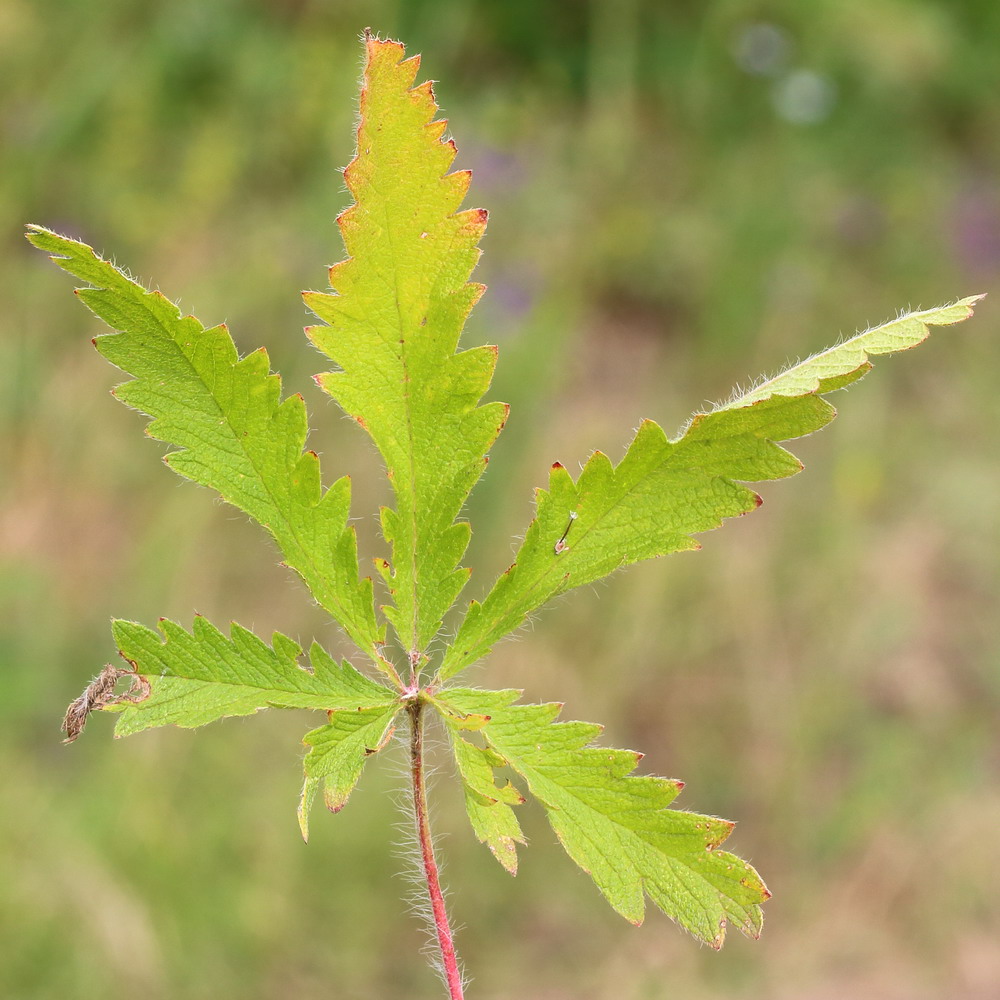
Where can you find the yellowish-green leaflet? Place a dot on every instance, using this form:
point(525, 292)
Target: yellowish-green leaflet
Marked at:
point(338, 752)
point(666, 490)
point(487, 804)
point(200, 676)
point(619, 827)
point(232, 431)
point(399, 303)
point(197, 677)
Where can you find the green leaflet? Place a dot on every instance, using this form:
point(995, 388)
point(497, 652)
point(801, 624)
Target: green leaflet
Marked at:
point(619, 827)
point(200, 676)
point(338, 752)
point(401, 299)
point(233, 433)
point(488, 806)
point(664, 490)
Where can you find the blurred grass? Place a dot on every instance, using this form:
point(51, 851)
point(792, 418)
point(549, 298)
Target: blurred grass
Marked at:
point(681, 197)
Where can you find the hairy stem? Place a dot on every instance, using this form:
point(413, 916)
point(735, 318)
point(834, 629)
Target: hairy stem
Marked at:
point(442, 928)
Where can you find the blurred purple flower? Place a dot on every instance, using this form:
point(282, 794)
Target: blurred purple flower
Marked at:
point(975, 230)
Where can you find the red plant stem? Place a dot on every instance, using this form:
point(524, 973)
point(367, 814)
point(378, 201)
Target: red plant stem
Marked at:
point(445, 941)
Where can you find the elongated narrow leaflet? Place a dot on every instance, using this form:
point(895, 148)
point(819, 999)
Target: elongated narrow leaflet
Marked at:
point(394, 320)
point(232, 431)
point(200, 676)
point(666, 490)
point(618, 827)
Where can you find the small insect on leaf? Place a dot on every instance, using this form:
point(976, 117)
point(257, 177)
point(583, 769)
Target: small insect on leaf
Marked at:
point(561, 545)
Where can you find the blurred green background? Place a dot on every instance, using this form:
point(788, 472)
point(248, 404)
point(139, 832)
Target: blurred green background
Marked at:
point(682, 195)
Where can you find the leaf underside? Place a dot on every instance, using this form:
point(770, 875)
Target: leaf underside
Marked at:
point(392, 326)
point(338, 752)
point(232, 431)
point(197, 677)
point(666, 490)
point(200, 676)
point(487, 804)
point(616, 826)
point(399, 304)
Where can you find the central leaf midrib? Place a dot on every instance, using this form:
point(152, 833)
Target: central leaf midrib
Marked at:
point(172, 675)
point(410, 455)
point(407, 383)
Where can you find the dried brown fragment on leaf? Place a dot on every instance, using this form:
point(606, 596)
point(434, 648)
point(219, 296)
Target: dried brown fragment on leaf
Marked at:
point(100, 693)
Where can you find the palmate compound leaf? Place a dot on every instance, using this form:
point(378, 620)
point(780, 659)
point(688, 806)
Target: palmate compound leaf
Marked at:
point(618, 827)
point(231, 429)
point(197, 677)
point(399, 304)
point(665, 490)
